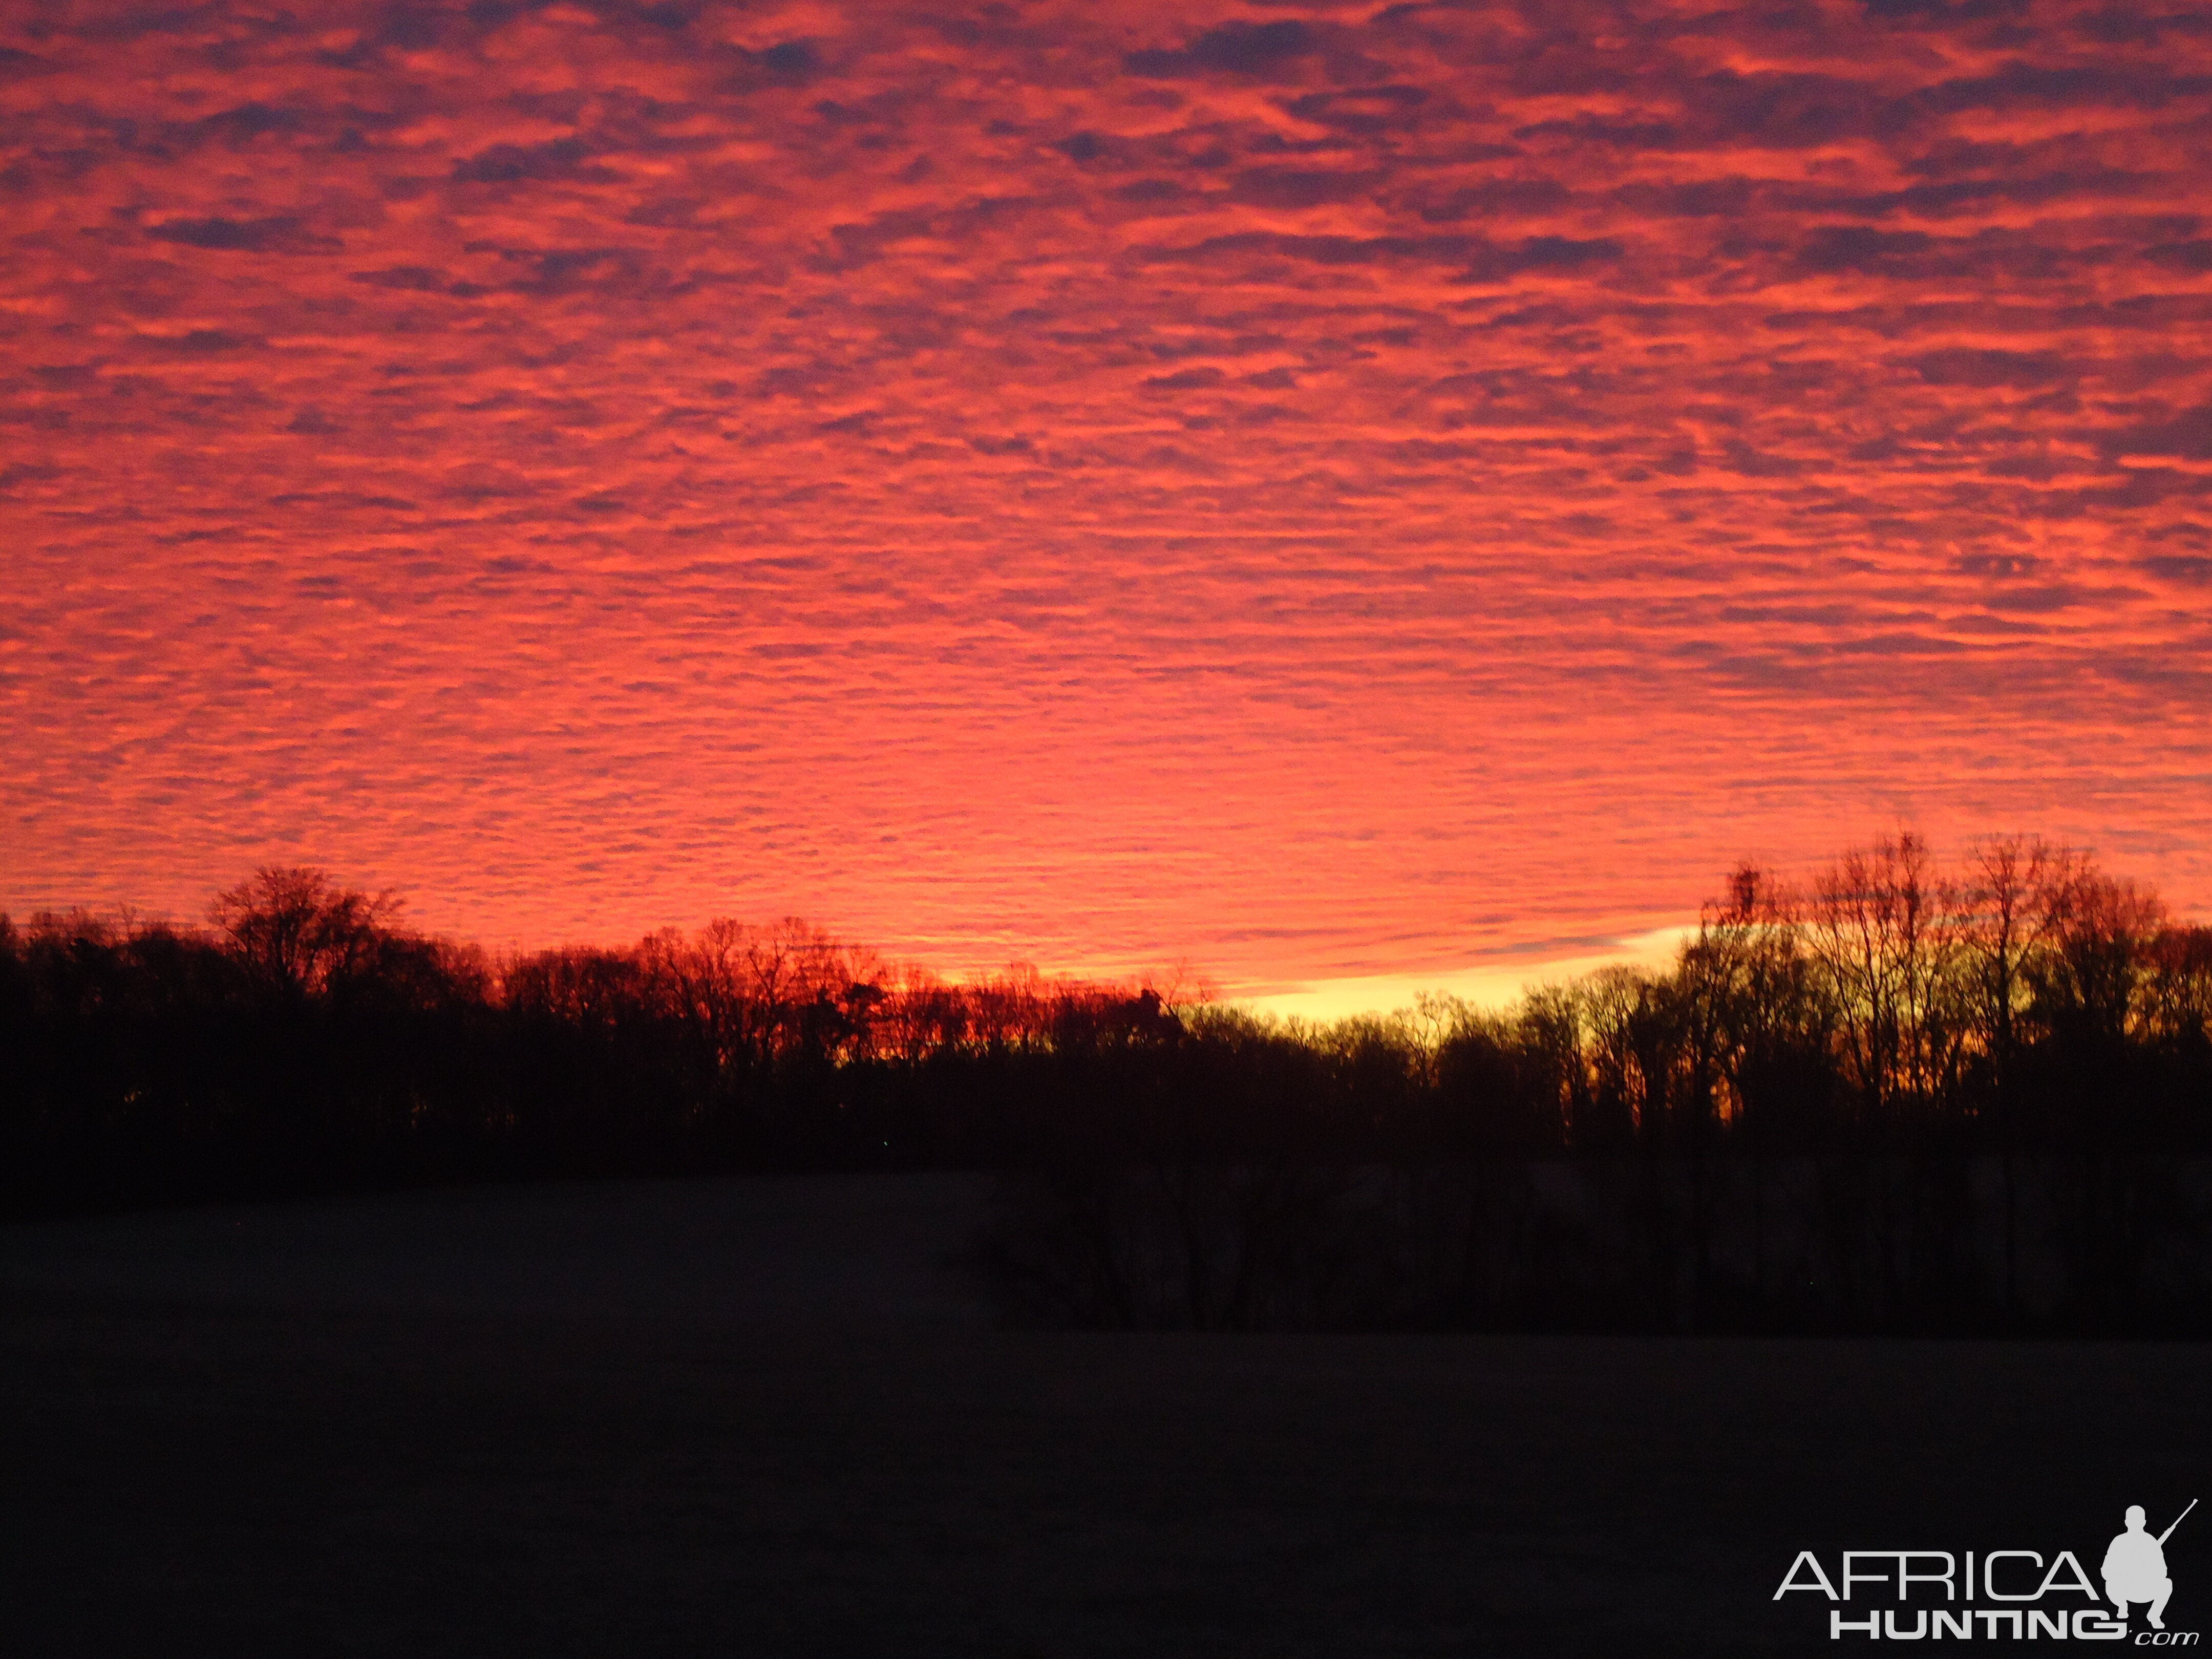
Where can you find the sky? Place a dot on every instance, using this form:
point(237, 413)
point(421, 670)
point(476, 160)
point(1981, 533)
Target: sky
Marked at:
point(1316, 493)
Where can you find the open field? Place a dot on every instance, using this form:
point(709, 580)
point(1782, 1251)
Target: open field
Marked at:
point(769, 1417)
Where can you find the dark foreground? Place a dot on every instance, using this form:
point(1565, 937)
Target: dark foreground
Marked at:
point(769, 1417)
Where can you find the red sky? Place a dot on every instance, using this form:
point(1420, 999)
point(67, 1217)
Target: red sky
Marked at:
point(1310, 490)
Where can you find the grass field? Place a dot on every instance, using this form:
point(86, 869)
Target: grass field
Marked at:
point(771, 1417)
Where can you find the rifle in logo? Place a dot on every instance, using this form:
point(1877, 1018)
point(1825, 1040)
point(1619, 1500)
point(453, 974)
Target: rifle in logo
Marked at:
point(2135, 1566)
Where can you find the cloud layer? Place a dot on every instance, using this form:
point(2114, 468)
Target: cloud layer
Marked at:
point(1312, 490)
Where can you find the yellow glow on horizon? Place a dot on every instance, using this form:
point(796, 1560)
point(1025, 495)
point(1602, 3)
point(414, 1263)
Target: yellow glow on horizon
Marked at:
point(1490, 984)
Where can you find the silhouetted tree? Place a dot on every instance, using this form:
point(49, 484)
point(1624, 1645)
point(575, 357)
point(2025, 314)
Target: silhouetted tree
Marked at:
point(1780, 1129)
point(297, 931)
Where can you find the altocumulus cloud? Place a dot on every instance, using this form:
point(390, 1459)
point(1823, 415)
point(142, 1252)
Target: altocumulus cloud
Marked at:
point(1304, 488)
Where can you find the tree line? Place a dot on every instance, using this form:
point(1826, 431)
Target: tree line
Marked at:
point(2003, 1024)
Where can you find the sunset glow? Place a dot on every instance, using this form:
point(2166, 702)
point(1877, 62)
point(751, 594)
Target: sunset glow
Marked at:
point(1312, 492)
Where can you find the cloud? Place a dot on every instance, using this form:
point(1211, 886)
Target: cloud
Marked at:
point(2186, 435)
point(1783, 110)
point(1542, 253)
point(1363, 110)
point(2019, 85)
point(508, 164)
point(252, 121)
point(278, 233)
point(1298, 187)
point(1255, 485)
point(1188, 380)
point(1866, 248)
point(1326, 250)
point(204, 343)
point(1989, 367)
point(1234, 48)
point(794, 62)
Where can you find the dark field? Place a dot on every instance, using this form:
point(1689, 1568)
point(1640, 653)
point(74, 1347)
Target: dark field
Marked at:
point(771, 1417)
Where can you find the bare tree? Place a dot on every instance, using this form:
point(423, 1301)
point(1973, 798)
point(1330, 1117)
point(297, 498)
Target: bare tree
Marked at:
point(2177, 995)
point(2009, 905)
point(2008, 912)
point(2100, 930)
point(1631, 1031)
point(1884, 926)
point(298, 930)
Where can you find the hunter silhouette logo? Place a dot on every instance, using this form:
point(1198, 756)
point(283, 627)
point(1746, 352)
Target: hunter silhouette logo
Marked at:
point(2135, 1566)
point(1999, 1595)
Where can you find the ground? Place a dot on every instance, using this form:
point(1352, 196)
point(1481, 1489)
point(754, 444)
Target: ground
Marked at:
point(770, 1417)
